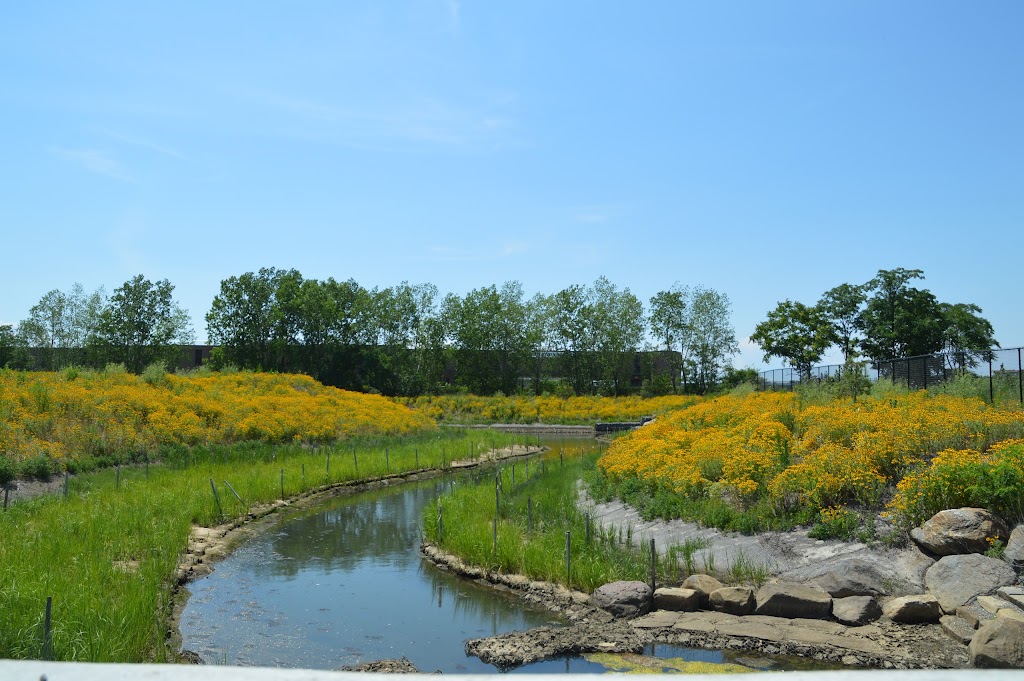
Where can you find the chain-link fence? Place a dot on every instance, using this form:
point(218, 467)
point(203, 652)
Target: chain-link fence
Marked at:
point(995, 375)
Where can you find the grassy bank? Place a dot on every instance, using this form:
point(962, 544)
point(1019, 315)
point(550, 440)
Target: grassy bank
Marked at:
point(473, 409)
point(533, 516)
point(107, 553)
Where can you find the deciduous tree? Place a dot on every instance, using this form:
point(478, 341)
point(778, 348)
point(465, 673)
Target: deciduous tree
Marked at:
point(142, 324)
point(797, 333)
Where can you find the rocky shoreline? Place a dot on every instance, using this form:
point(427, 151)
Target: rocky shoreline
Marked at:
point(883, 644)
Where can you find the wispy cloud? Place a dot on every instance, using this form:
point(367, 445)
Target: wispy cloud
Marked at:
point(514, 248)
point(449, 254)
point(142, 143)
point(416, 123)
point(454, 15)
point(94, 161)
point(598, 212)
point(508, 249)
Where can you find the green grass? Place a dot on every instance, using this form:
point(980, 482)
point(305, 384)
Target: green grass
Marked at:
point(82, 550)
point(660, 501)
point(611, 554)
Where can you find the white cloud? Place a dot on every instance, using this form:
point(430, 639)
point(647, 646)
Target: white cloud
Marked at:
point(94, 161)
point(515, 248)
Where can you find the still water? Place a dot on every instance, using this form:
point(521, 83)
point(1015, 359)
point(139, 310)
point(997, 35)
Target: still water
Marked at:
point(344, 584)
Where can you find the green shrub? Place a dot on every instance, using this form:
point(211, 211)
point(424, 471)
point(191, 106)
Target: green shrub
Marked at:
point(835, 523)
point(38, 466)
point(7, 471)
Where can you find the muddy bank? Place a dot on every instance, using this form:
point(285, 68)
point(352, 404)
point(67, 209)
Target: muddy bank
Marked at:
point(882, 644)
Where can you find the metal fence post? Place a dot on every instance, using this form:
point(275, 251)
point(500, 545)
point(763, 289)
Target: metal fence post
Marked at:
point(1020, 380)
point(991, 393)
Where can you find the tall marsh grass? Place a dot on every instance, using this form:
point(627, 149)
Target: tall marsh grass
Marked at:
point(107, 554)
point(538, 549)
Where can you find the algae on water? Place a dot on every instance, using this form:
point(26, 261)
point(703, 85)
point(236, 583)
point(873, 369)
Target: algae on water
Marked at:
point(631, 663)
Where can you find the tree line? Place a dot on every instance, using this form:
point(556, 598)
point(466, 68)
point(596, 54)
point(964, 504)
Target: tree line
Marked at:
point(884, 318)
point(400, 340)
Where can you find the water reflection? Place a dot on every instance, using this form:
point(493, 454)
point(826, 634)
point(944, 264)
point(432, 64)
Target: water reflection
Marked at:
point(345, 585)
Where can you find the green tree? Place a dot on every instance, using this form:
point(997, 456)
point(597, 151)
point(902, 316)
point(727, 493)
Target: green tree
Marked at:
point(842, 306)
point(898, 319)
point(571, 337)
point(714, 337)
point(13, 354)
point(242, 320)
point(488, 331)
point(966, 335)
point(797, 333)
point(618, 330)
point(143, 324)
point(60, 325)
point(669, 323)
point(400, 321)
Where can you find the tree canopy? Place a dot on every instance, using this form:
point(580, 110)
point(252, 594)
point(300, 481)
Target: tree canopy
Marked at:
point(884, 318)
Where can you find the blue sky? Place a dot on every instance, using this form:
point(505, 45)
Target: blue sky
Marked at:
point(768, 150)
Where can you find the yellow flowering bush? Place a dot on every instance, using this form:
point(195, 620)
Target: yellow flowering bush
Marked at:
point(768, 446)
point(67, 415)
point(543, 409)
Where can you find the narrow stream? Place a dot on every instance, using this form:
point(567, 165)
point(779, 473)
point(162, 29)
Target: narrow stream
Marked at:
point(344, 584)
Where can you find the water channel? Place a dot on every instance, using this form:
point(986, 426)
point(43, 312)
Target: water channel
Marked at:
point(344, 584)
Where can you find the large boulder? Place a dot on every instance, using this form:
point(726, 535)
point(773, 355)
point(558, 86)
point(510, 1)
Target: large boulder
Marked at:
point(923, 608)
point(703, 585)
point(955, 580)
point(959, 530)
point(999, 643)
point(793, 601)
point(1014, 554)
point(856, 610)
point(623, 599)
point(733, 600)
point(676, 599)
point(854, 577)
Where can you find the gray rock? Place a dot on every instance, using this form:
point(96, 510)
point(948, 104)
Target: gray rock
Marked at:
point(793, 600)
point(703, 585)
point(855, 577)
point(1014, 554)
point(958, 531)
point(734, 600)
point(623, 599)
point(957, 628)
point(974, 614)
point(913, 609)
point(856, 610)
point(676, 599)
point(400, 665)
point(998, 644)
point(955, 580)
point(522, 647)
point(1012, 594)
